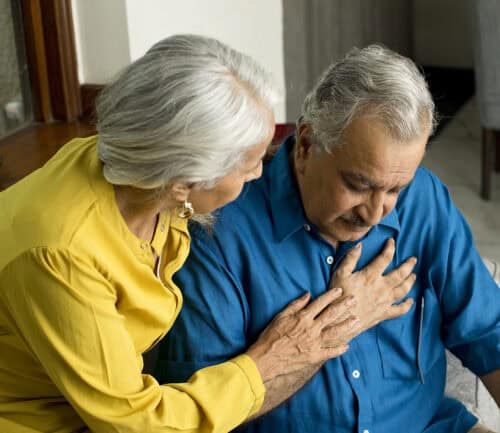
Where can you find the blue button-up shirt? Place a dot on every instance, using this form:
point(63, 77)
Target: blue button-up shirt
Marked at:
point(264, 253)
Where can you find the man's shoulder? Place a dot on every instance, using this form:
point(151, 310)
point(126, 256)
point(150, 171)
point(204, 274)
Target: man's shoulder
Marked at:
point(427, 207)
point(425, 181)
point(239, 227)
point(425, 189)
point(250, 212)
point(254, 198)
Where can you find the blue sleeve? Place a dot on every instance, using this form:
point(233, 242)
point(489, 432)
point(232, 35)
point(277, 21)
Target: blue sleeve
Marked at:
point(211, 325)
point(468, 295)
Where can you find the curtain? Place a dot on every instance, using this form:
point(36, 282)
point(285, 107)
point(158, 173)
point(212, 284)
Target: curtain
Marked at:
point(317, 32)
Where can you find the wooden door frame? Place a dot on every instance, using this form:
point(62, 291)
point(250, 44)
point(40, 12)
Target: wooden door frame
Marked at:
point(51, 58)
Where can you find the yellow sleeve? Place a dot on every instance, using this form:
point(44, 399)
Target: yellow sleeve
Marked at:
point(64, 310)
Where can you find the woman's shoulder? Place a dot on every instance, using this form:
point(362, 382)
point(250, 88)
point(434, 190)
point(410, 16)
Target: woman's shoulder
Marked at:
point(49, 207)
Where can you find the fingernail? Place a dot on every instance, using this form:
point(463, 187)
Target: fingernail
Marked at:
point(358, 246)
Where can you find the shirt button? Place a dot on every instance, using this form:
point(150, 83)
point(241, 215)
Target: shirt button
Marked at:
point(356, 374)
point(329, 260)
point(144, 246)
point(307, 227)
point(366, 431)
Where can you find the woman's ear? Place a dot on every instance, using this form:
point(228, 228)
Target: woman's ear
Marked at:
point(179, 191)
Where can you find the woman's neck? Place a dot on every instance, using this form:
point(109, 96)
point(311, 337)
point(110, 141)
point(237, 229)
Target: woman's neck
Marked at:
point(139, 210)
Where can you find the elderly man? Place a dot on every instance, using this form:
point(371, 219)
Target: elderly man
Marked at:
point(344, 186)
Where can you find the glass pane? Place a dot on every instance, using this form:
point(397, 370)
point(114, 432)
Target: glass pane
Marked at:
point(15, 99)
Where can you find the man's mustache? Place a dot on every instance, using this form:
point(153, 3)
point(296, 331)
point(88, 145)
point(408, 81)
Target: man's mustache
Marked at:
point(356, 221)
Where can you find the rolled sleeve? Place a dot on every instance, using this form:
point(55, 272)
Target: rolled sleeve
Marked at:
point(252, 373)
point(469, 297)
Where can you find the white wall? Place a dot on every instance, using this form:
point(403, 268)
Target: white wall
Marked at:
point(101, 38)
point(112, 33)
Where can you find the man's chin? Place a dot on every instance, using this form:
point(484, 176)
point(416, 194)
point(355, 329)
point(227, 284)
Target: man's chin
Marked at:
point(345, 233)
point(350, 232)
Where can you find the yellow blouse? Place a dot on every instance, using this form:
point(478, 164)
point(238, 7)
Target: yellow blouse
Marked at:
point(80, 304)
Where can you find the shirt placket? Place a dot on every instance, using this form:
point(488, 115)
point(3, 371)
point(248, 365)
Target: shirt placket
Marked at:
point(354, 371)
point(353, 367)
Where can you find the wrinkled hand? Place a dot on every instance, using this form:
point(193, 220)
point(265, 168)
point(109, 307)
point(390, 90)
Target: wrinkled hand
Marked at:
point(374, 292)
point(302, 335)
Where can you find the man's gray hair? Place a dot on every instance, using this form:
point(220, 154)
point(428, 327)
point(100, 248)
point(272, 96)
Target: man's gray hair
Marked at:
point(187, 110)
point(375, 82)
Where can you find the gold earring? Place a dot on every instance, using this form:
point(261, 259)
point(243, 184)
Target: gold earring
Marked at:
point(186, 210)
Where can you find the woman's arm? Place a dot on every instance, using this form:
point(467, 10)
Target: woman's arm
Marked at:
point(66, 314)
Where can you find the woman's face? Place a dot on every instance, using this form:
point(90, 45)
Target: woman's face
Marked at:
point(230, 186)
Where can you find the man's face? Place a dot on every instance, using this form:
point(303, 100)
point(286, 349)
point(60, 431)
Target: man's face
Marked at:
point(348, 191)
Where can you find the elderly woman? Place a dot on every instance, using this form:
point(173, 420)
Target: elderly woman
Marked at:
point(90, 242)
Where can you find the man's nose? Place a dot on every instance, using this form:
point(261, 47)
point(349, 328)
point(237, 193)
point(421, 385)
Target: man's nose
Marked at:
point(373, 210)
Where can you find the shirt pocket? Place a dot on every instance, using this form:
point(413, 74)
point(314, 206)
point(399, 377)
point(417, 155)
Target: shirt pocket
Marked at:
point(410, 345)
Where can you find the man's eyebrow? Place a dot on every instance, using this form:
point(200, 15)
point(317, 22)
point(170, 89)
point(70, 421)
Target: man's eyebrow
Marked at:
point(359, 178)
point(363, 180)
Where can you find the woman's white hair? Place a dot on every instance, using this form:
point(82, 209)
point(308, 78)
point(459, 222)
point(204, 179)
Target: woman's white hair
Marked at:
point(187, 110)
point(375, 82)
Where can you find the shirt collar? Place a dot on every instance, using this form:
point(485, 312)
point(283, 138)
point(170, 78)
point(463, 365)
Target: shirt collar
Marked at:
point(391, 220)
point(286, 206)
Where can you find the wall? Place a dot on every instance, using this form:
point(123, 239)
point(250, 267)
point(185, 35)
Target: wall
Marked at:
point(443, 33)
point(101, 39)
point(112, 33)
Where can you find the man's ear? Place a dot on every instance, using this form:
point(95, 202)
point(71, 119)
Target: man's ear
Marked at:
point(303, 148)
point(179, 191)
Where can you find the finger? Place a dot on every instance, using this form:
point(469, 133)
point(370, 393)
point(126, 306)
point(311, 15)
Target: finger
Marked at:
point(332, 352)
point(343, 331)
point(350, 261)
point(379, 263)
point(399, 309)
point(335, 312)
point(321, 302)
point(404, 288)
point(396, 276)
point(295, 306)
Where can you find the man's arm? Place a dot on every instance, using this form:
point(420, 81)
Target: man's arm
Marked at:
point(492, 383)
point(468, 296)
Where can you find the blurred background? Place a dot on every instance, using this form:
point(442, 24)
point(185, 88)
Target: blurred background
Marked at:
point(55, 56)
point(294, 39)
